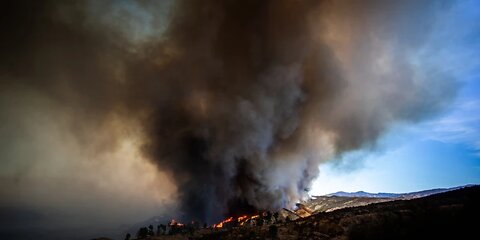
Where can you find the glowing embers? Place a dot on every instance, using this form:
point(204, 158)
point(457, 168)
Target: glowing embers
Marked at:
point(222, 223)
point(175, 223)
point(233, 222)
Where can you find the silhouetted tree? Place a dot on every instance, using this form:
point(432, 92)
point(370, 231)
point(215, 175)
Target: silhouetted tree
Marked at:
point(150, 230)
point(127, 237)
point(268, 217)
point(142, 232)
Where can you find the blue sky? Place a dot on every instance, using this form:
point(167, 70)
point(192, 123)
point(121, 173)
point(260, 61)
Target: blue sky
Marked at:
point(411, 161)
point(443, 151)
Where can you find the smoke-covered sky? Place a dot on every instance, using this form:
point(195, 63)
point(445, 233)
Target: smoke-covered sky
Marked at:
point(116, 111)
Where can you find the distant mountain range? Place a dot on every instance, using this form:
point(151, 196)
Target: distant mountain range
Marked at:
point(339, 200)
point(362, 194)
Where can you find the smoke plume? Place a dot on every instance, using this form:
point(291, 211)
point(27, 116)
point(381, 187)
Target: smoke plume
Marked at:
point(235, 102)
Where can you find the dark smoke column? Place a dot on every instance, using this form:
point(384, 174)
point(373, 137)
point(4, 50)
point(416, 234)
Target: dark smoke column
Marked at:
point(247, 100)
point(238, 101)
point(231, 99)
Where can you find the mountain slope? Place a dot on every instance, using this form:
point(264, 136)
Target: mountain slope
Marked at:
point(448, 215)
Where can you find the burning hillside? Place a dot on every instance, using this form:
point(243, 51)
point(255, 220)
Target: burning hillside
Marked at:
point(249, 97)
point(238, 221)
point(213, 111)
point(446, 214)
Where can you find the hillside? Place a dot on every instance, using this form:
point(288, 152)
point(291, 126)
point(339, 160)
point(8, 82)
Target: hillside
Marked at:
point(442, 216)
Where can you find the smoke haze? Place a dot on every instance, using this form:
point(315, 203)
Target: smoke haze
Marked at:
point(121, 110)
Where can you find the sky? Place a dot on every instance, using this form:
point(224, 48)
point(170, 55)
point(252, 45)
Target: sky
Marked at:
point(116, 111)
point(439, 152)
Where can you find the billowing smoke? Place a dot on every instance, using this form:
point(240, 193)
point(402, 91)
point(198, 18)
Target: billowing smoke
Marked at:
point(252, 97)
point(237, 102)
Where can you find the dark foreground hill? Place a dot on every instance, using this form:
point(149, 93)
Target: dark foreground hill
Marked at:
point(449, 215)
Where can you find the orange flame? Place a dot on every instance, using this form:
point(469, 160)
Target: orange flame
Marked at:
point(174, 222)
point(220, 225)
point(241, 220)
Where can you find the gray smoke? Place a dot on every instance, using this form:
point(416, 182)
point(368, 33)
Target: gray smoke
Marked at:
point(238, 102)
